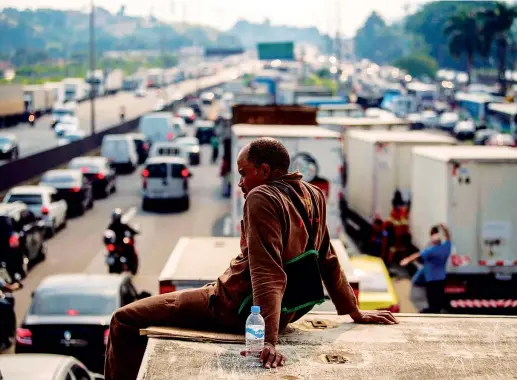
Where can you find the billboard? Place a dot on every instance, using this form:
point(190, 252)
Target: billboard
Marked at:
point(269, 51)
point(223, 52)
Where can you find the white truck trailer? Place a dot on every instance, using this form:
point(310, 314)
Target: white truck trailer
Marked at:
point(472, 190)
point(315, 152)
point(379, 164)
point(75, 90)
point(113, 82)
point(35, 99)
point(327, 346)
point(12, 105)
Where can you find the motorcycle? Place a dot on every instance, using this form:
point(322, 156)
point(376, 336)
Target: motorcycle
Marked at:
point(7, 313)
point(121, 257)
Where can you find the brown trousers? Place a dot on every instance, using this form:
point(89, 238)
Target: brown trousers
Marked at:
point(190, 308)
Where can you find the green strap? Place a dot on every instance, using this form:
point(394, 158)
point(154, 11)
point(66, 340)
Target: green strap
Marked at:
point(285, 310)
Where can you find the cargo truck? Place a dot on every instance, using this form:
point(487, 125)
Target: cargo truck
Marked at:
point(54, 93)
point(35, 99)
point(327, 346)
point(378, 164)
point(75, 90)
point(96, 81)
point(113, 82)
point(155, 78)
point(472, 190)
point(197, 261)
point(12, 105)
point(315, 152)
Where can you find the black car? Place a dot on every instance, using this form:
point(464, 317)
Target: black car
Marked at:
point(205, 131)
point(196, 107)
point(72, 186)
point(22, 238)
point(142, 145)
point(70, 315)
point(99, 172)
point(9, 149)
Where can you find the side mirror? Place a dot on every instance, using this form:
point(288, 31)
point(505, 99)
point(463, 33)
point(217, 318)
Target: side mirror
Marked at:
point(143, 295)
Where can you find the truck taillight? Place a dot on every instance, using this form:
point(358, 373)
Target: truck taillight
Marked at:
point(14, 241)
point(44, 210)
point(167, 288)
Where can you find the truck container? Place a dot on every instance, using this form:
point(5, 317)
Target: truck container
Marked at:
point(155, 78)
point(471, 189)
point(75, 89)
point(113, 82)
point(54, 92)
point(197, 261)
point(96, 81)
point(378, 165)
point(12, 105)
point(327, 346)
point(35, 99)
point(315, 152)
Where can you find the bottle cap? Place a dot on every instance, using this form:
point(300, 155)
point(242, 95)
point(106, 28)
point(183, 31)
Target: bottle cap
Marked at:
point(255, 309)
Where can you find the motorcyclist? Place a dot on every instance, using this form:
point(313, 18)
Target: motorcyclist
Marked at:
point(122, 113)
point(119, 227)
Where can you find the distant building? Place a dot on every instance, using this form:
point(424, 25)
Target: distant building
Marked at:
point(7, 70)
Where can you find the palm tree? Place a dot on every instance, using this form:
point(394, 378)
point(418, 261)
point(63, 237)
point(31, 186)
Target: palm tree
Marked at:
point(495, 29)
point(462, 31)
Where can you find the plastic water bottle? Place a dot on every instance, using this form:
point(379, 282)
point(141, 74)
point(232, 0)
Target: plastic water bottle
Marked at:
point(255, 328)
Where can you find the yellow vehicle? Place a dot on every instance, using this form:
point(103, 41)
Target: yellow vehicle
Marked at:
point(376, 291)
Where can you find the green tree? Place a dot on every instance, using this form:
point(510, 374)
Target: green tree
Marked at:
point(418, 65)
point(497, 24)
point(462, 31)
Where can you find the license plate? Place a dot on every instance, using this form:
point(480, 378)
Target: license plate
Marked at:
point(503, 276)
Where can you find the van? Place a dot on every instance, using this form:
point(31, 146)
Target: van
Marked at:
point(165, 179)
point(168, 149)
point(161, 126)
point(120, 151)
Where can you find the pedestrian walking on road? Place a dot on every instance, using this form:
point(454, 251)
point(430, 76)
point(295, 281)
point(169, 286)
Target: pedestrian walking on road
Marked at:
point(214, 141)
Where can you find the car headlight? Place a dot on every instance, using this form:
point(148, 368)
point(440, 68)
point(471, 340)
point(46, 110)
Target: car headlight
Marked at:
point(5, 149)
point(195, 149)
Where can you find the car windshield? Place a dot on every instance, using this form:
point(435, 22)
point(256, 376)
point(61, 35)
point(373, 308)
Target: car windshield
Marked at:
point(60, 113)
point(58, 178)
point(52, 303)
point(84, 166)
point(28, 199)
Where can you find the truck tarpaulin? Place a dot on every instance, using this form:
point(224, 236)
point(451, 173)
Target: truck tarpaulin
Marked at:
point(274, 114)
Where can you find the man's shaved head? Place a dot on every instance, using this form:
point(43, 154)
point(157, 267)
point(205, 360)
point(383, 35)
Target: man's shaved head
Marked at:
point(266, 150)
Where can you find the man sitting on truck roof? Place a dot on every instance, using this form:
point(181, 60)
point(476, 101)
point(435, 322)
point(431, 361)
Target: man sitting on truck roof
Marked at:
point(276, 232)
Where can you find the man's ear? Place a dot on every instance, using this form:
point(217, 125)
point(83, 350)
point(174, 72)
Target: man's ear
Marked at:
point(266, 170)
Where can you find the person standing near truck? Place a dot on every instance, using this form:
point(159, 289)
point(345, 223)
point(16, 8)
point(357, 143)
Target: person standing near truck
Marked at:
point(435, 258)
point(214, 141)
point(284, 235)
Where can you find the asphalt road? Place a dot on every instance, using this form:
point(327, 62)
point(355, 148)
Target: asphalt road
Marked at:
point(107, 110)
point(79, 247)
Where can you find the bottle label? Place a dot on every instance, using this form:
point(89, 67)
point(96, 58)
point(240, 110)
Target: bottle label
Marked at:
point(254, 332)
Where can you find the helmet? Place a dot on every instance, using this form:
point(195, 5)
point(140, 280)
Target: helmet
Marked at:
point(109, 237)
point(116, 215)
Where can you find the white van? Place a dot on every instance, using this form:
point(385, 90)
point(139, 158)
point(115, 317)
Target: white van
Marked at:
point(168, 149)
point(165, 179)
point(161, 126)
point(120, 151)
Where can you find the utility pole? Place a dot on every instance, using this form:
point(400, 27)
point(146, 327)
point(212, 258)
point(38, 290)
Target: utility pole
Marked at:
point(92, 66)
point(338, 44)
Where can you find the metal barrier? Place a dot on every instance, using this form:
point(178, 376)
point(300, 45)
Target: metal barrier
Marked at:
point(25, 168)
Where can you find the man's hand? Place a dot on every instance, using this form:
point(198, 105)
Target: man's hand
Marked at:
point(383, 317)
point(270, 357)
point(404, 262)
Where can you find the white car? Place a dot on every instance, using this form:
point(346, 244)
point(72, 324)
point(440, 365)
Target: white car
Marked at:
point(165, 178)
point(70, 137)
point(141, 92)
point(191, 149)
point(159, 106)
point(430, 119)
point(465, 130)
point(120, 151)
point(66, 124)
point(44, 202)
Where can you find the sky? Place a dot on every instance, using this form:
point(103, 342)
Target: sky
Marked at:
point(222, 14)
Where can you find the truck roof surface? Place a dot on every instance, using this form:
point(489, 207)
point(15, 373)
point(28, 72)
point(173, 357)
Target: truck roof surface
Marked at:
point(400, 136)
point(467, 152)
point(254, 130)
point(206, 258)
point(326, 346)
point(361, 121)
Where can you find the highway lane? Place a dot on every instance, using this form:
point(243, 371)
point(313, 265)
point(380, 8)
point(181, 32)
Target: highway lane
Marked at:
point(79, 247)
point(107, 110)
